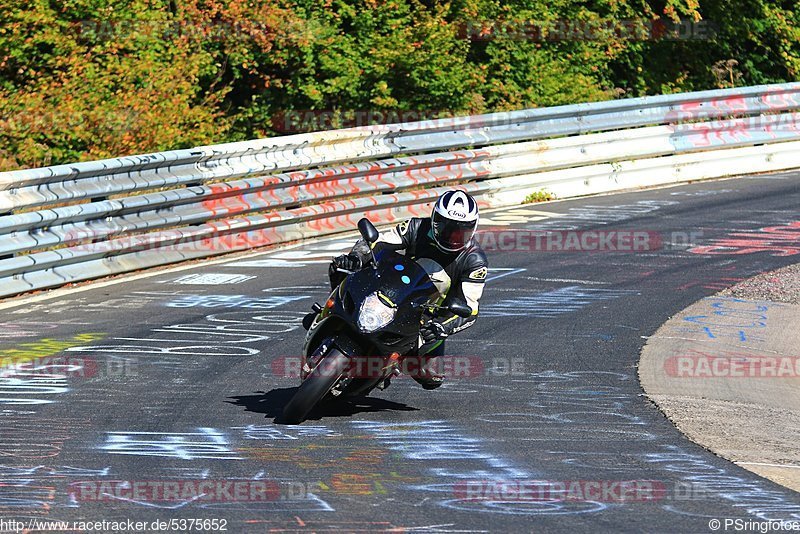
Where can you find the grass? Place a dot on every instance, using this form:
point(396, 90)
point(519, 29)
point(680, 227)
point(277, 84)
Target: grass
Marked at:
point(539, 196)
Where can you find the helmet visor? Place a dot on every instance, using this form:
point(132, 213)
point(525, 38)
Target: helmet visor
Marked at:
point(450, 234)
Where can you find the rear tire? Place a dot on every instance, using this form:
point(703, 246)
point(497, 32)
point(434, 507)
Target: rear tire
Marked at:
point(315, 386)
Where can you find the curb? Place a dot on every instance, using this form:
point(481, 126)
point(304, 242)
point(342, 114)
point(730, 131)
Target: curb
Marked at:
point(726, 372)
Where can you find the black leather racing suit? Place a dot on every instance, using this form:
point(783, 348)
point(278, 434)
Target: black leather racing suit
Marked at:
point(456, 274)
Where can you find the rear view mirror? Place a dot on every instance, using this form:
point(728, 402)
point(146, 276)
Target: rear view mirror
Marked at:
point(367, 230)
point(460, 308)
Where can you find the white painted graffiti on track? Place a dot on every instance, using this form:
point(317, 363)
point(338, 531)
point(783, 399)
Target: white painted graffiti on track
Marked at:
point(552, 304)
point(579, 399)
point(599, 410)
point(17, 329)
point(218, 334)
point(298, 290)
point(136, 300)
point(33, 490)
point(575, 218)
point(209, 279)
point(747, 494)
point(516, 216)
point(263, 432)
point(508, 271)
point(32, 387)
point(316, 254)
point(30, 375)
point(439, 444)
point(233, 301)
point(207, 443)
point(702, 193)
point(190, 350)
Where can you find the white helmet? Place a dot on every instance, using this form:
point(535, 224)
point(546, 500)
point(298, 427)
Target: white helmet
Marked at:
point(454, 220)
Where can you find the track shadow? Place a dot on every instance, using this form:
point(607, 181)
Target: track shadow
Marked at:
point(272, 402)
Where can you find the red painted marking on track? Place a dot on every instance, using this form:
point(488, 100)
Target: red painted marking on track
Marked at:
point(779, 240)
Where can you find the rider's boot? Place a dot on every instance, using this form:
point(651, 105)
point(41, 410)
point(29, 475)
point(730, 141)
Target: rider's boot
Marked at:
point(427, 374)
point(429, 382)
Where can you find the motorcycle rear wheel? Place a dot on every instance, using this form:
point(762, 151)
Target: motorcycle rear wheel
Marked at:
point(316, 385)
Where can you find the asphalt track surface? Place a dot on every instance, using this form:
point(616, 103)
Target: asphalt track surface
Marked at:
point(155, 391)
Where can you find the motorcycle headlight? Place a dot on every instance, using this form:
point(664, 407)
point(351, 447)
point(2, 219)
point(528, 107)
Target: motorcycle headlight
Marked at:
point(374, 314)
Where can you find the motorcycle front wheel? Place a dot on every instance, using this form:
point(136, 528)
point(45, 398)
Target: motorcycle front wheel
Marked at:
point(316, 385)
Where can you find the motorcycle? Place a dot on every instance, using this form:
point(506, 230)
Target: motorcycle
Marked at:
point(370, 322)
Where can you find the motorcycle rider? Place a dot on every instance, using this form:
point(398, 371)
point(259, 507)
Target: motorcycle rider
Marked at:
point(444, 245)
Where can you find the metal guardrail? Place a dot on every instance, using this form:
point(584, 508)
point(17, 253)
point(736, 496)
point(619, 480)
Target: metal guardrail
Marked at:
point(75, 222)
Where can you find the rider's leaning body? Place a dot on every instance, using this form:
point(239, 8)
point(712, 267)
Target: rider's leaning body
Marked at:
point(444, 246)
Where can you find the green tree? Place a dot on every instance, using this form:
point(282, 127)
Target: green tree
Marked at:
point(87, 79)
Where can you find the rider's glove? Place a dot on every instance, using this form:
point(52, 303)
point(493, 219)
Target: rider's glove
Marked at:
point(432, 331)
point(347, 262)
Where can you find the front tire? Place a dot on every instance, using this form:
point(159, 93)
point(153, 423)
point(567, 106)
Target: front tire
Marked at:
point(315, 386)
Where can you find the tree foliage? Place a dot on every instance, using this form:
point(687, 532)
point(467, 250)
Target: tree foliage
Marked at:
point(88, 79)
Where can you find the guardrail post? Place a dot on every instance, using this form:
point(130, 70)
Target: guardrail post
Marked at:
point(7, 256)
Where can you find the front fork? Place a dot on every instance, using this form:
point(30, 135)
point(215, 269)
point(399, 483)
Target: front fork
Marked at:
point(389, 369)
